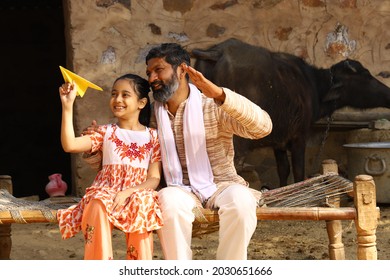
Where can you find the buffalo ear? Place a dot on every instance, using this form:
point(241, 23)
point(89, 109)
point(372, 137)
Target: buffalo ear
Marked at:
point(334, 93)
point(212, 55)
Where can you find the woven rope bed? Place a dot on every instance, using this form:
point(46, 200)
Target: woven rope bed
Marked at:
point(321, 192)
point(318, 198)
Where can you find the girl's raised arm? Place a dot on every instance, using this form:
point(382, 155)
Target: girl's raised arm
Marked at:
point(71, 143)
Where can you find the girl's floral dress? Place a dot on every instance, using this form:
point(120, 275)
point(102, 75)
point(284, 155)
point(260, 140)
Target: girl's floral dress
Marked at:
point(126, 157)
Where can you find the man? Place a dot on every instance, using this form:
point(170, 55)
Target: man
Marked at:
point(196, 123)
point(196, 135)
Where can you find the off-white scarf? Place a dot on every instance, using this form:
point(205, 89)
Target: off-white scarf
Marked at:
point(198, 163)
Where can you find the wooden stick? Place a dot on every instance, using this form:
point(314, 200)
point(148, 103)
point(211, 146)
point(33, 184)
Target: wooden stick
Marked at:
point(27, 217)
point(294, 213)
point(266, 213)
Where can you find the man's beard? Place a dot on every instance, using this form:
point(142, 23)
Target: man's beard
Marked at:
point(165, 92)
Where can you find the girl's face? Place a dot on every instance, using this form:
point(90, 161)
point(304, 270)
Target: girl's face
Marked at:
point(124, 102)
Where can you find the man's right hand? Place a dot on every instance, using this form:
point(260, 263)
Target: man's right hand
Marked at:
point(90, 129)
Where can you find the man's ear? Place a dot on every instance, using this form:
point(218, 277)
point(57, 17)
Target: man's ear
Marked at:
point(181, 71)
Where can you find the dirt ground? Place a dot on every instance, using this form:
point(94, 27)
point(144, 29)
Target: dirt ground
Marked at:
point(273, 240)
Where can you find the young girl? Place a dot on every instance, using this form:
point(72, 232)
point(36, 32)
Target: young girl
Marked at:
point(123, 193)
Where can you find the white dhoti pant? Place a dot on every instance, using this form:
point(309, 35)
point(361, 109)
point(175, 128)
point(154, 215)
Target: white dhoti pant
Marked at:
point(237, 222)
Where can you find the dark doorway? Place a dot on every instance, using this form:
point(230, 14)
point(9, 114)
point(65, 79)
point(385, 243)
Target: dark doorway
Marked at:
point(32, 45)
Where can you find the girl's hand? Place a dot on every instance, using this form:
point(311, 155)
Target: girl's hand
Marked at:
point(68, 93)
point(120, 200)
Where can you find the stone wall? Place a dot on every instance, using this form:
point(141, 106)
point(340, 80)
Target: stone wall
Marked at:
point(107, 38)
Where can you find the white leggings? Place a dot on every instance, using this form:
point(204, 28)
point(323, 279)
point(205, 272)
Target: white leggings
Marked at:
point(237, 219)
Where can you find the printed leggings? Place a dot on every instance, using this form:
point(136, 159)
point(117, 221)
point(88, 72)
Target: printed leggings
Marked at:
point(97, 231)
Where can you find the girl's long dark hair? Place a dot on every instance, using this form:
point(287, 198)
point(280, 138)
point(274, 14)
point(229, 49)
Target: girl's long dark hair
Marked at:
point(142, 88)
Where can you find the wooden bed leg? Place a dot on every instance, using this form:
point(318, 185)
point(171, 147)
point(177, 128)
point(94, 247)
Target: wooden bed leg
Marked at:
point(366, 220)
point(5, 242)
point(5, 230)
point(334, 228)
point(336, 245)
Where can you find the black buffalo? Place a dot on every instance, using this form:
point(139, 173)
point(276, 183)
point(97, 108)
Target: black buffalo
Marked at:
point(294, 93)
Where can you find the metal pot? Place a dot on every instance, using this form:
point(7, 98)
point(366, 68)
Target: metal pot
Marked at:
point(372, 158)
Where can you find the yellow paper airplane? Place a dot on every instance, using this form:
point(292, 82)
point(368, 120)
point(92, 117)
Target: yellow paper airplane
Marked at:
point(82, 83)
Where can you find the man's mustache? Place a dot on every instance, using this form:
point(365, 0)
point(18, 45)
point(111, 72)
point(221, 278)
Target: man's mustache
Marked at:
point(156, 83)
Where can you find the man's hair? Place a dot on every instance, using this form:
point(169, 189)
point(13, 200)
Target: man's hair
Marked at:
point(173, 53)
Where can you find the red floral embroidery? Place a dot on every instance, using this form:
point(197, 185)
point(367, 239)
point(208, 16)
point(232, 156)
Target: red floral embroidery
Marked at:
point(132, 150)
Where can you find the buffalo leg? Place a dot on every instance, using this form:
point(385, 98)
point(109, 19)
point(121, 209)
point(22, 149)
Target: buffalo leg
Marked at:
point(298, 147)
point(283, 166)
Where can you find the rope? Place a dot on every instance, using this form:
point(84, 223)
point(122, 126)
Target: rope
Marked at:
point(49, 216)
point(322, 145)
point(17, 217)
point(323, 190)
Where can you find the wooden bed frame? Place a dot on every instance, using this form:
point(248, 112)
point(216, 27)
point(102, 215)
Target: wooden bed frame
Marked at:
point(364, 213)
